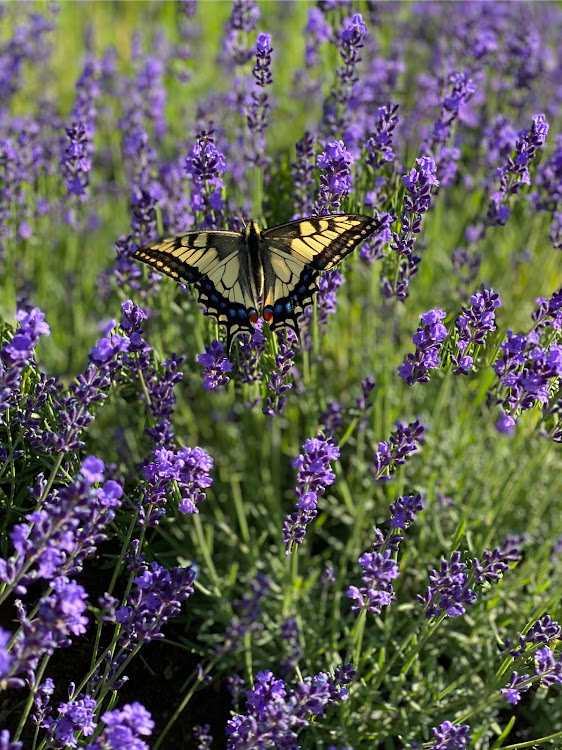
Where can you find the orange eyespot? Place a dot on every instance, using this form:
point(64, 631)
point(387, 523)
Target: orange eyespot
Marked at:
point(254, 317)
point(268, 316)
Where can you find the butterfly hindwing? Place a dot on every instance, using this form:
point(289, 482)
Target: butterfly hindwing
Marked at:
point(217, 264)
point(297, 252)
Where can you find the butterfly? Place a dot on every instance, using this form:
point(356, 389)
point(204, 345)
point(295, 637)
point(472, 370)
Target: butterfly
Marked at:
point(274, 273)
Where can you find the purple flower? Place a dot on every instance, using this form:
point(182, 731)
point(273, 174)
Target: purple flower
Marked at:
point(515, 173)
point(417, 200)
point(215, 367)
point(335, 180)
point(57, 538)
point(123, 728)
point(316, 32)
point(428, 340)
point(404, 511)
point(276, 713)
point(6, 743)
point(449, 592)
point(450, 736)
point(278, 377)
point(394, 452)
point(156, 599)
point(242, 21)
point(517, 684)
point(541, 632)
point(187, 470)
point(290, 635)
point(251, 349)
point(313, 477)
point(5, 657)
point(472, 326)
point(379, 569)
point(78, 715)
point(203, 165)
point(548, 667)
point(493, 565)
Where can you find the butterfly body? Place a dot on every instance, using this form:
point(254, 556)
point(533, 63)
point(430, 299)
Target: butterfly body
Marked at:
point(239, 276)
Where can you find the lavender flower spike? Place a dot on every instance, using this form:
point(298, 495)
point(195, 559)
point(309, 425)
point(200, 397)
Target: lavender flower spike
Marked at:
point(427, 339)
point(314, 476)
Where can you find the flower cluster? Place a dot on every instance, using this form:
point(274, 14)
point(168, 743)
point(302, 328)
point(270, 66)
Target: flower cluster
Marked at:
point(242, 21)
point(379, 566)
point(215, 367)
point(417, 200)
point(276, 714)
point(187, 470)
point(428, 340)
point(449, 736)
point(472, 326)
point(17, 353)
point(314, 475)
point(335, 179)
point(349, 42)
point(278, 377)
point(547, 671)
point(515, 173)
point(251, 349)
point(542, 631)
point(156, 599)
point(393, 452)
point(203, 165)
point(124, 727)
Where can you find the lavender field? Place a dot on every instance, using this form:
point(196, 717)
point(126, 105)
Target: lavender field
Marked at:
point(342, 539)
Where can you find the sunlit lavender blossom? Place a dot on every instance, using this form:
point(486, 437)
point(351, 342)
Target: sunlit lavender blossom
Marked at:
point(373, 247)
point(449, 592)
point(417, 200)
point(124, 727)
point(64, 531)
point(159, 396)
point(76, 161)
point(215, 367)
point(57, 617)
point(6, 743)
point(279, 376)
point(155, 600)
point(17, 353)
point(203, 165)
point(379, 569)
point(187, 470)
point(276, 713)
point(517, 684)
point(394, 452)
point(335, 178)
point(404, 511)
point(313, 477)
point(247, 611)
point(515, 173)
point(493, 565)
point(472, 326)
point(449, 736)
point(428, 339)
point(331, 419)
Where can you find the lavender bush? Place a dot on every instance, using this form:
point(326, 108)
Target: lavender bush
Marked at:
point(349, 540)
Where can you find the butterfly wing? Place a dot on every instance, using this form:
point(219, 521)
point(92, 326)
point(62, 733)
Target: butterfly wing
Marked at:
point(217, 264)
point(298, 252)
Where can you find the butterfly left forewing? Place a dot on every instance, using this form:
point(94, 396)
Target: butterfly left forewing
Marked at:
point(216, 263)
